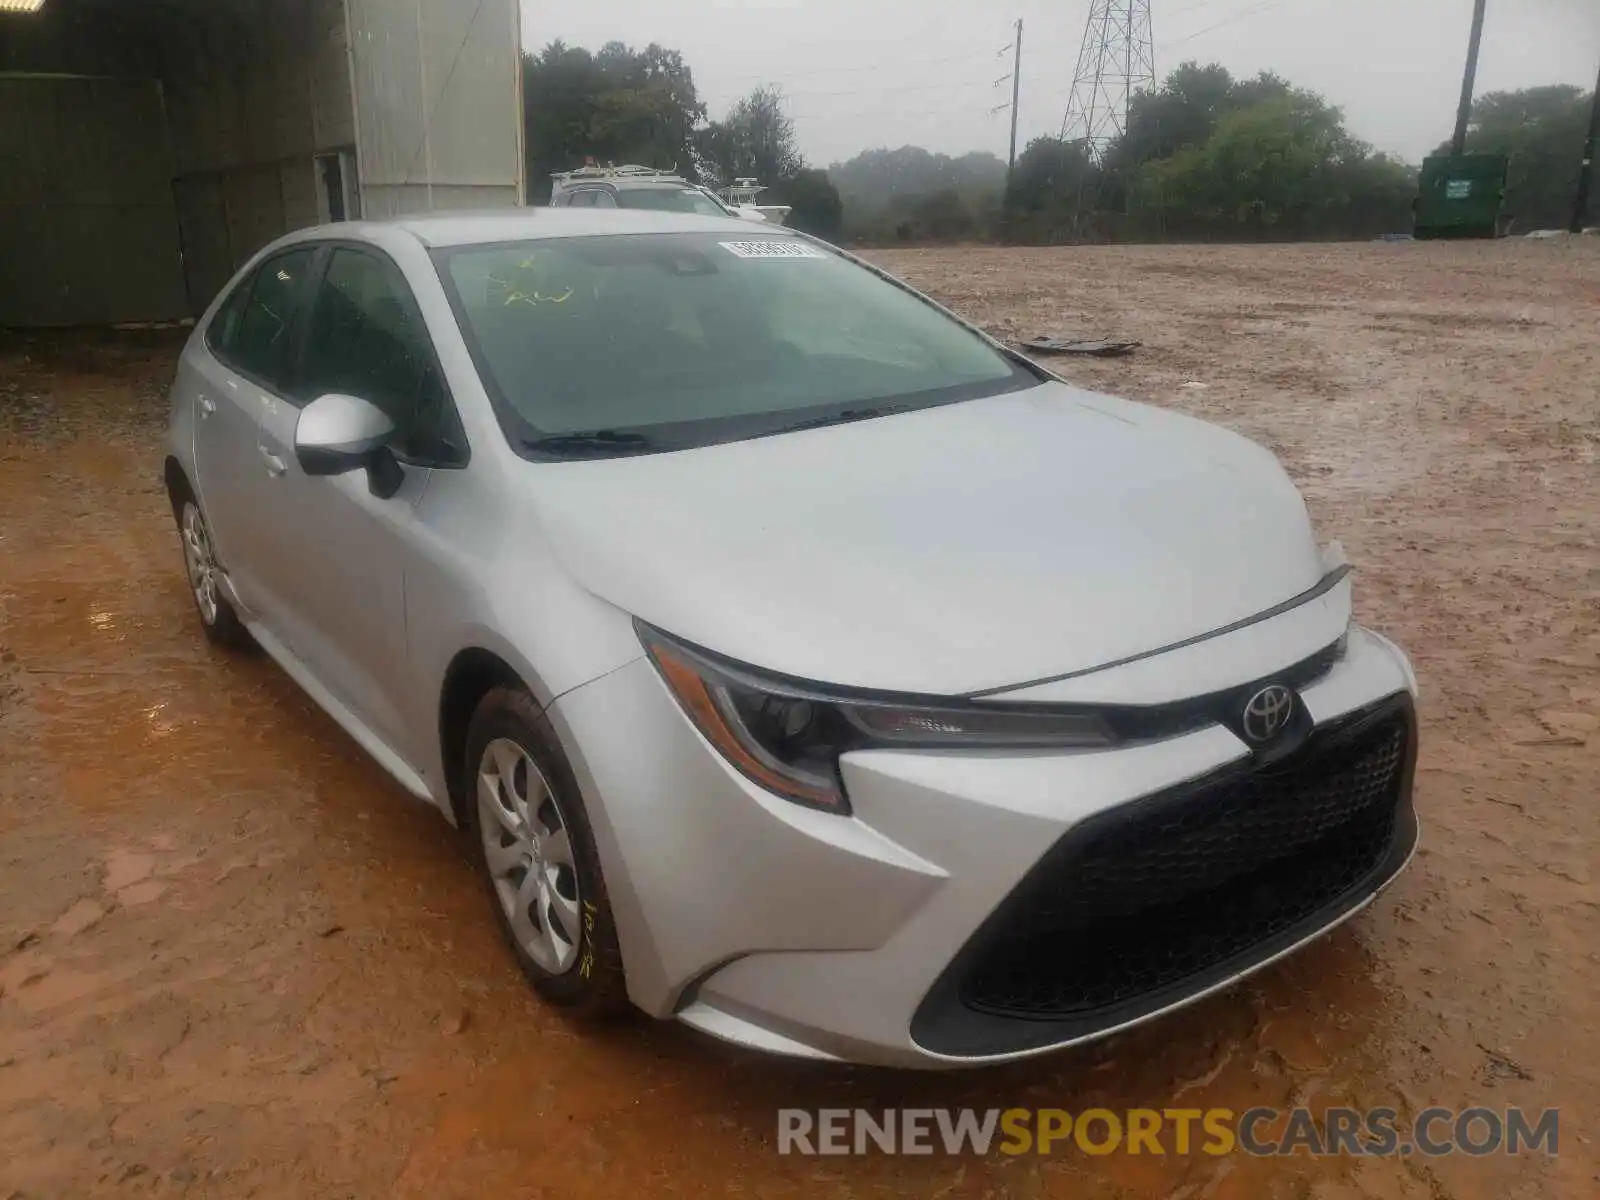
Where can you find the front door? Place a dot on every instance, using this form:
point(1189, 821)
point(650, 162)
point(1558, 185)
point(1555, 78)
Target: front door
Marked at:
point(341, 553)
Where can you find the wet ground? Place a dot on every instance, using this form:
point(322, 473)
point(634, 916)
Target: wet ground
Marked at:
point(235, 959)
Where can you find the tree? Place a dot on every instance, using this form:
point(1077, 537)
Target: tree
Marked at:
point(941, 217)
point(872, 181)
point(1207, 155)
point(1282, 167)
point(814, 201)
point(1182, 112)
point(1542, 129)
point(1050, 179)
point(619, 105)
point(756, 140)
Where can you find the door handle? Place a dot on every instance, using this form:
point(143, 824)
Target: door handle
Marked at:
point(207, 405)
point(275, 465)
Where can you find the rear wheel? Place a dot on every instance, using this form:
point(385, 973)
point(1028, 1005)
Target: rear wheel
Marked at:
point(538, 856)
point(217, 617)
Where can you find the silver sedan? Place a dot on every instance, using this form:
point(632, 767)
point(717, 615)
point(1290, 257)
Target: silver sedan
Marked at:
point(804, 665)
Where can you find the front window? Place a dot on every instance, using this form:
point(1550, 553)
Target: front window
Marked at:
point(673, 199)
point(366, 338)
point(623, 344)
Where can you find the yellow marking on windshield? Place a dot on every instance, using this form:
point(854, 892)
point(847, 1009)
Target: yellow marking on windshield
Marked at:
point(515, 295)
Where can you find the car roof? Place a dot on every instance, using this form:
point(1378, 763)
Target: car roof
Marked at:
point(519, 224)
point(654, 183)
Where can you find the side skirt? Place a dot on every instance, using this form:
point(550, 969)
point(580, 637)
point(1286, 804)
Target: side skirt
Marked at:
point(364, 737)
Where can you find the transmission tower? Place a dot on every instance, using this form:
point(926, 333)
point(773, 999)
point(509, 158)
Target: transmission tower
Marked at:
point(1117, 59)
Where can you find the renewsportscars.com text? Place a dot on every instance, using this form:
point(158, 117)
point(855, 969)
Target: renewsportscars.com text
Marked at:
point(1215, 1131)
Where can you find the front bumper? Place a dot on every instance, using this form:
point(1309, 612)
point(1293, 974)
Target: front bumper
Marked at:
point(983, 907)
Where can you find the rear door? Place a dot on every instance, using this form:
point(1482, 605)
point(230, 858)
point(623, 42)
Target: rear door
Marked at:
point(238, 376)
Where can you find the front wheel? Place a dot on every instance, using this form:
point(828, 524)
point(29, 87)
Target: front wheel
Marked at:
point(538, 856)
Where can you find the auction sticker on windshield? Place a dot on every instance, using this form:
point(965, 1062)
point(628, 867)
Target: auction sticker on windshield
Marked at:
point(783, 249)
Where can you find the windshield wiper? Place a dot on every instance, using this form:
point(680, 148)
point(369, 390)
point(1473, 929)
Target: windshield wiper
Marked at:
point(845, 417)
point(601, 441)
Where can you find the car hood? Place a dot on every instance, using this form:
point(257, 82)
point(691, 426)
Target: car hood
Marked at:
point(971, 546)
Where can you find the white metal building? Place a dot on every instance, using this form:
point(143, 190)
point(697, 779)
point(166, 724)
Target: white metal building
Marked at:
point(148, 147)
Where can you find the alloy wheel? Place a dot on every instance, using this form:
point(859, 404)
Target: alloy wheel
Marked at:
point(529, 855)
point(200, 560)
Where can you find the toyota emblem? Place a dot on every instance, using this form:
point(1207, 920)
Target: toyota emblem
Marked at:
point(1267, 713)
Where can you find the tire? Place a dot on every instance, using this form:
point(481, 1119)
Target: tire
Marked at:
point(547, 891)
point(217, 617)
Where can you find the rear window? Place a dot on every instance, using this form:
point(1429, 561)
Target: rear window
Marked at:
point(676, 199)
point(252, 330)
point(665, 341)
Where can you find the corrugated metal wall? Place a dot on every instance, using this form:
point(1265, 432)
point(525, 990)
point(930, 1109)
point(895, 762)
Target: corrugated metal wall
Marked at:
point(254, 91)
point(174, 138)
point(87, 229)
point(438, 103)
point(87, 233)
point(134, 195)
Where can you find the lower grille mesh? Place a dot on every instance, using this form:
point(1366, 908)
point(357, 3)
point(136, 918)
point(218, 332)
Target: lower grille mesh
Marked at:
point(1133, 905)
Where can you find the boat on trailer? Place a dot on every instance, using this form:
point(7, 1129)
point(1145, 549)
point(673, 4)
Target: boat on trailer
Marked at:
point(742, 193)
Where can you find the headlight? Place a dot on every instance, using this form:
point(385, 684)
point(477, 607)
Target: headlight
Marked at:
point(788, 736)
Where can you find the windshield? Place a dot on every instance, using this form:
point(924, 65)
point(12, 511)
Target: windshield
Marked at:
point(599, 346)
point(677, 199)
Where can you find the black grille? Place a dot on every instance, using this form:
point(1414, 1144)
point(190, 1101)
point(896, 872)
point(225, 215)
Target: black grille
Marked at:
point(1135, 909)
point(1136, 723)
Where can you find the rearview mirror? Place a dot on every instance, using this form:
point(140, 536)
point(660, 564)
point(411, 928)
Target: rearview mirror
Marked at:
point(337, 433)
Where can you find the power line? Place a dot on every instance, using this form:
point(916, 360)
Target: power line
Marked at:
point(865, 109)
point(1249, 10)
point(881, 91)
point(921, 112)
point(1014, 77)
point(1187, 8)
point(887, 89)
point(890, 89)
point(899, 62)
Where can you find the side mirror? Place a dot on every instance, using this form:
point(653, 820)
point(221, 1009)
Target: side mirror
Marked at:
point(337, 434)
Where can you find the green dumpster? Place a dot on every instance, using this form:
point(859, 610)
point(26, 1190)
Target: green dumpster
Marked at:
point(1459, 196)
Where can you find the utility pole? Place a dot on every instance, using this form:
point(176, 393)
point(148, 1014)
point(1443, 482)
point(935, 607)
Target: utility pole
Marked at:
point(1016, 86)
point(1459, 145)
point(1580, 206)
point(1016, 90)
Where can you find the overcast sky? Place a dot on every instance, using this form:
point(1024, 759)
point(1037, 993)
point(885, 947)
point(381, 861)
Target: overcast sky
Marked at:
point(866, 73)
